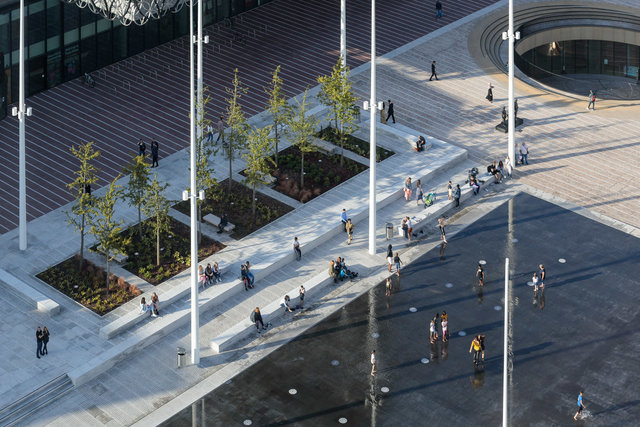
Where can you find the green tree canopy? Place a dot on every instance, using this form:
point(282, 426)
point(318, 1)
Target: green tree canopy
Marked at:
point(300, 130)
point(259, 161)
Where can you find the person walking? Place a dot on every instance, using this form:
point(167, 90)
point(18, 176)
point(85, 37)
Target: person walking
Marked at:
point(409, 228)
point(432, 331)
point(390, 112)
point(489, 96)
point(480, 275)
point(481, 338)
point(256, 318)
point(39, 337)
point(209, 131)
point(373, 362)
point(508, 167)
point(154, 153)
point(419, 193)
point(142, 147)
point(592, 100)
point(456, 195)
point(524, 150)
point(45, 340)
point(249, 274)
point(443, 235)
point(433, 71)
point(476, 348)
point(397, 261)
point(535, 280)
point(408, 190)
point(389, 257)
point(349, 228)
point(542, 275)
point(220, 126)
point(296, 249)
point(438, 10)
point(581, 407)
point(302, 292)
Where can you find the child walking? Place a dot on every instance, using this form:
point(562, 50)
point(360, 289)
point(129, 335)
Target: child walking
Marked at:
point(397, 262)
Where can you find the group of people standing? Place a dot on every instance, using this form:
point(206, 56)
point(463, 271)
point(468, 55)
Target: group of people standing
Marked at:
point(443, 321)
point(142, 150)
point(42, 338)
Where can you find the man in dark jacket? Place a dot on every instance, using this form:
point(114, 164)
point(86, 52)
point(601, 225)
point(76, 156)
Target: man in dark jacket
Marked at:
point(456, 195)
point(256, 317)
point(39, 337)
point(390, 112)
point(433, 71)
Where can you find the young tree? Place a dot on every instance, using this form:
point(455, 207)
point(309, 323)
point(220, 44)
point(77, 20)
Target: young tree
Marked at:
point(258, 160)
point(300, 129)
point(138, 171)
point(336, 93)
point(82, 208)
point(105, 228)
point(156, 206)
point(277, 106)
point(236, 121)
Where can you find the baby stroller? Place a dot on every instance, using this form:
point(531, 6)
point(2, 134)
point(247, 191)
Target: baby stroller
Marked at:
point(429, 198)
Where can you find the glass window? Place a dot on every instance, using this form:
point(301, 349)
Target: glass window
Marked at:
point(36, 22)
point(135, 34)
point(54, 71)
point(119, 41)
point(104, 53)
point(165, 28)
point(54, 10)
point(151, 33)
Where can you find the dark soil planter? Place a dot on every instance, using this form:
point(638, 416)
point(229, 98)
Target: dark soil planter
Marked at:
point(237, 206)
point(85, 283)
point(353, 144)
point(322, 173)
point(175, 251)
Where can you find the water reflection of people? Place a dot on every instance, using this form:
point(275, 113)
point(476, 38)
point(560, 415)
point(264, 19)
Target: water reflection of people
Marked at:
point(442, 248)
point(477, 380)
point(541, 300)
point(445, 348)
point(480, 293)
point(434, 351)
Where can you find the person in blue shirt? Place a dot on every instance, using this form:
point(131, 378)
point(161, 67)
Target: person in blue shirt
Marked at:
point(580, 407)
point(344, 218)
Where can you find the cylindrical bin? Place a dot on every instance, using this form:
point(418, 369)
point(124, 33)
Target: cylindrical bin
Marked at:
point(181, 357)
point(389, 230)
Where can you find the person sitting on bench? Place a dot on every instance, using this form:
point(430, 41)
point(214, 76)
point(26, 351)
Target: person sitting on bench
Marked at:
point(223, 223)
point(420, 143)
point(474, 184)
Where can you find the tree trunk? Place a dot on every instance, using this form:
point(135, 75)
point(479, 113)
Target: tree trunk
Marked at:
point(108, 272)
point(158, 241)
point(81, 243)
point(301, 170)
point(140, 221)
point(276, 128)
point(336, 117)
point(253, 204)
point(230, 161)
point(341, 144)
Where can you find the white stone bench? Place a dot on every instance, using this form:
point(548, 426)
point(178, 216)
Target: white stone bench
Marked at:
point(225, 340)
point(133, 317)
point(43, 304)
point(215, 221)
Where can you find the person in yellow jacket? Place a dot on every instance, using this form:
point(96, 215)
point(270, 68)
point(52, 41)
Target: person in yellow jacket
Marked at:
point(476, 348)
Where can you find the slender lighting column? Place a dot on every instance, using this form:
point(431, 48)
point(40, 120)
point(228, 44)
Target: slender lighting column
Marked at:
point(506, 341)
point(372, 136)
point(22, 113)
point(195, 308)
point(511, 126)
point(343, 31)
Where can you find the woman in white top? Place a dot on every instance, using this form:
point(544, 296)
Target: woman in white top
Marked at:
point(508, 167)
point(143, 306)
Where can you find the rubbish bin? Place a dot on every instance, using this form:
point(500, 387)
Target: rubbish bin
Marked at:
point(181, 357)
point(389, 230)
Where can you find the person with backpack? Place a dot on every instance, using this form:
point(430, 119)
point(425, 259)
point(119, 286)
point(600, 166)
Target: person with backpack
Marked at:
point(256, 318)
point(592, 100)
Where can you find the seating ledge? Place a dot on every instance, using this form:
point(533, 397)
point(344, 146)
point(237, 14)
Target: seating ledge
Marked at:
point(42, 303)
point(215, 221)
point(225, 340)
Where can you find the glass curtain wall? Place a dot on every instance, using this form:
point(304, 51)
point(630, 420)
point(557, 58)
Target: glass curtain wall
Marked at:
point(63, 41)
point(586, 56)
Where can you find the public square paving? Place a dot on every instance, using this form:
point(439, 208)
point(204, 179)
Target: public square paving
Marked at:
point(580, 334)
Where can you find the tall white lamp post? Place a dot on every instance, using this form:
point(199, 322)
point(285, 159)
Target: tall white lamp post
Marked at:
point(343, 31)
point(22, 111)
point(509, 35)
point(373, 108)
